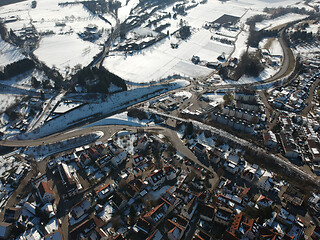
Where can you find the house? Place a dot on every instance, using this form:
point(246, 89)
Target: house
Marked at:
point(155, 215)
point(68, 181)
point(104, 191)
point(89, 229)
point(5, 230)
point(12, 214)
point(263, 201)
point(134, 187)
point(289, 146)
point(157, 177)
point(156, 235)
point(223, 216)
point(138, 160)
point(118, 159)
point(265, 182)
point(119, 200)
point(102, 149)
point(171, 200)
point(293, 195)
point(174, 230)
point(231, 165)
point(270, 139)
point(268, 234)
point(248, 175)
point(200, 235)
point(242, 228)
point(93, 153)
point(85, 159)
point(143, 144)
point(53, 236)
point(80, 208)
point(189, 209)
point(45, 192)
point(170, 172)
point(206, 212)
point(314, 148)
point(199, 148)
point(143, 226)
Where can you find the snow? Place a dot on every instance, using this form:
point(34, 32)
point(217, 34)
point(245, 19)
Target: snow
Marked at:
point(8, 100)
point(215, 98)
point(121, 119)
point(113, 103)
point(160, 61)
point(269, 24)
point(64, 51)
point(183, 94)
point(66, 106)
point(274, 48)
point(124, 11)
point(9, 53)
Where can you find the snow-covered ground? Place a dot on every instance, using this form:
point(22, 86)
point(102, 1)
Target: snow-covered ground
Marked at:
point(8, 100)
point(9, 53)
point(63, 51)
point(183, 94)
point(121, 119)
point(66, 106)
point(269, 24)
point(160, 60)
point(215, 98)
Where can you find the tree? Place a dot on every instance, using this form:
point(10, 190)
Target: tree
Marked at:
point(228, 98)
point(184, 32)
point(249, 65)
point(189, 129)
point(42, 97)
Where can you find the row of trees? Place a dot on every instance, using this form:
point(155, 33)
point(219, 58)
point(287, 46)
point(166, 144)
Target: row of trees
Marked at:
point(16, 68)
point(104, 79)
point(249, 65)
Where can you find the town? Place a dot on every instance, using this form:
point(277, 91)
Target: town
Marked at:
point(175, 119)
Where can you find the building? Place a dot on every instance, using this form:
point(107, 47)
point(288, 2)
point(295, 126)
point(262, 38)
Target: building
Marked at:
point(45, 192)
point(223, 216)
point(105, 191)
point(242, 228)
point(289, 146)
point(189, 209)
point(170, 172)
point(118, 159)
point(293, 196)
point(270, 139)
point(206, 212)
point(53, 236)
point(155, 215)
point(80, 208)
point(12, 214)
point(5, 230)
point(263, 201)
point(67, 179)
point(157, 178)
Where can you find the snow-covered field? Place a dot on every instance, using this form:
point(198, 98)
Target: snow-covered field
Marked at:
point(269, 24)
point(9, 53)
point(65, 106)
point(64, 51)
point(121, 119)
point(159, 61)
